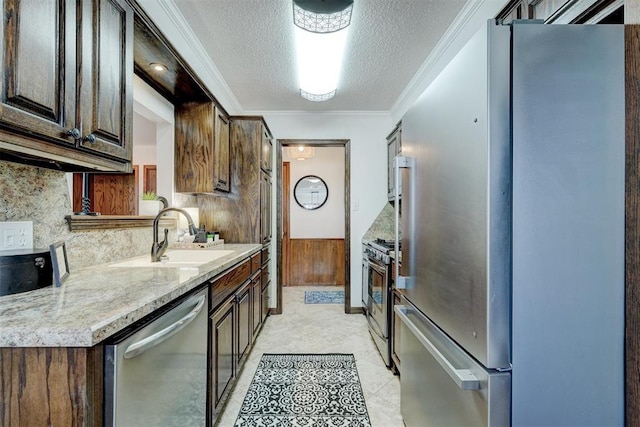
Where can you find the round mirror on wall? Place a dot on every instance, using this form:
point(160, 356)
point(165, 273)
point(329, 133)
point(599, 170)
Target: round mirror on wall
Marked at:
point(311, 192)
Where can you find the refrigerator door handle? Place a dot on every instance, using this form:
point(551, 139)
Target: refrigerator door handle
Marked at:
point(400, 162)
point(464, 378)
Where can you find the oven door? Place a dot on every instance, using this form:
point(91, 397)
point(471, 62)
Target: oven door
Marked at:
point(378, 286)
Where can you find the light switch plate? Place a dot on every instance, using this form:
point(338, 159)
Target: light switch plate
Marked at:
point(16, 235)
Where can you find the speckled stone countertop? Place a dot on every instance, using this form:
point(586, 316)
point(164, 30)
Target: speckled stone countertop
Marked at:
point(96, 302)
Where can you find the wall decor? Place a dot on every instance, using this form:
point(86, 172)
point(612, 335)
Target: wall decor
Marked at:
point(311, 192)
point(59, 262)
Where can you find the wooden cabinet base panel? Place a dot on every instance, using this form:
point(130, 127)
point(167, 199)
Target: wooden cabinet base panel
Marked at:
point(51, 386)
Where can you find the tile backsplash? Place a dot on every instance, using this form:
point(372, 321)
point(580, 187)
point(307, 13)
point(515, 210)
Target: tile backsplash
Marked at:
point(29, 193)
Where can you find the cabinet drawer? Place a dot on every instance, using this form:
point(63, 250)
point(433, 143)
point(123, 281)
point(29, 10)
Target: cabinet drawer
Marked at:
point(256, 262)
point(227, 284)
point(266, 254)
point(265, 276)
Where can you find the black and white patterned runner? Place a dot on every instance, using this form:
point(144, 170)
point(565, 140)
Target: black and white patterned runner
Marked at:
point(305, 390)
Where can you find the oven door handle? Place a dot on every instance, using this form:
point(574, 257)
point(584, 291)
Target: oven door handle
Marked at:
point(139, 347)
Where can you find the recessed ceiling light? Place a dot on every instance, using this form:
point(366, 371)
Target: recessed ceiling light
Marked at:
point(156, 66)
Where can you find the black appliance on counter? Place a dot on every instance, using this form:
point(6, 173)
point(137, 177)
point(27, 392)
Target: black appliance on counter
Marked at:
point(376, 293)
point(24, 270)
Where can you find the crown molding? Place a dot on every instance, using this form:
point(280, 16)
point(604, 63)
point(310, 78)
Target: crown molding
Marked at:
point(466, 23)
point(318, 113)
point(194, 53)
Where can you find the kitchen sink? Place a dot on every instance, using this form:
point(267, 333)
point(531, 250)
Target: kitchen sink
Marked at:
point(177, 258)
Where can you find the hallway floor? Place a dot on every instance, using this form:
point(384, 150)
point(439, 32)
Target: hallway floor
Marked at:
point(323, 328)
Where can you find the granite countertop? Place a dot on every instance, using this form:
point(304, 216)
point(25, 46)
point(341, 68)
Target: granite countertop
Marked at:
point(96, 302)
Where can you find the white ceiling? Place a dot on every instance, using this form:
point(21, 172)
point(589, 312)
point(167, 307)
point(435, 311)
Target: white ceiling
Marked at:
point(251, 43)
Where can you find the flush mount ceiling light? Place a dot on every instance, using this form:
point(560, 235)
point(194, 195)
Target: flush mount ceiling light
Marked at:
point(322, 16)
point(321, 35)
point(301, 152)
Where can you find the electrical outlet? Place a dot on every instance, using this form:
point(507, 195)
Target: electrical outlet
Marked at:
point(16, 235)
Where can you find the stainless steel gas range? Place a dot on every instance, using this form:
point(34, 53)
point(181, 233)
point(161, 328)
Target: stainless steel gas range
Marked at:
point(376, 293)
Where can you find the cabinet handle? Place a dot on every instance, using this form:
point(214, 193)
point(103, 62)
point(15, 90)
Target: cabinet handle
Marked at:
point(91, 138)
point(74, 133)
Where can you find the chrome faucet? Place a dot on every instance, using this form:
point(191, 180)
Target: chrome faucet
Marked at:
point(159, 248)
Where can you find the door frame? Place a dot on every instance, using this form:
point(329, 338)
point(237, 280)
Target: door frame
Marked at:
point(285, 266)
point(346, 144)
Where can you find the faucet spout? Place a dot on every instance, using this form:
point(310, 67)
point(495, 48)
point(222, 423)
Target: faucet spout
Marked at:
point(159, 248)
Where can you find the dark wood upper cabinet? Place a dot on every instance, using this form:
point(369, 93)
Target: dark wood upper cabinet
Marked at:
point(106, 100)
point(394, 148)
point(265, 155)
point(39, 64)
point(223, 147)
point(201, 148)
point(265, 208)
point(67, 82)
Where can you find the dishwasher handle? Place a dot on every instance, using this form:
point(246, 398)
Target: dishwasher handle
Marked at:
point(464, 378)
point(139, 347)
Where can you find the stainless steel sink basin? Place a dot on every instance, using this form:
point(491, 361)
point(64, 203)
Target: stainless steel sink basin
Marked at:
point(177, 258)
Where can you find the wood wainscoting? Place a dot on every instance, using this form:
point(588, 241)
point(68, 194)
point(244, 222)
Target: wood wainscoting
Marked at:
point(317, 262)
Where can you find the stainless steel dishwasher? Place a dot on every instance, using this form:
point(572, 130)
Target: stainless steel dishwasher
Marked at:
point(156, 374)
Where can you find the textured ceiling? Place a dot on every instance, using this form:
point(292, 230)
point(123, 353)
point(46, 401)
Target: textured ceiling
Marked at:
point(251, 42)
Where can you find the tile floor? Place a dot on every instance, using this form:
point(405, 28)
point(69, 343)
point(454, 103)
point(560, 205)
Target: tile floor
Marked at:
point(323, 328)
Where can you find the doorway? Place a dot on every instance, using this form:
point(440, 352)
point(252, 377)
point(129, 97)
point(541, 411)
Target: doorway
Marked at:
point(305, 249)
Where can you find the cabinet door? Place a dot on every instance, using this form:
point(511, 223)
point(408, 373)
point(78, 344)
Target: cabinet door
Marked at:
point(194, 148)
point(256, 291)
point(265, 155)
point(223, 333)
point(245, 326)
point(265, 301)
point(222, 143)
point(39, 66)
point(106, 98)
point(265, 207)
point(393, 149)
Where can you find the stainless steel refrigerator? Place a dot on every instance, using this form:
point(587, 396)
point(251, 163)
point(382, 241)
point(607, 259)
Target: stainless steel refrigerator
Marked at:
point(513, 232)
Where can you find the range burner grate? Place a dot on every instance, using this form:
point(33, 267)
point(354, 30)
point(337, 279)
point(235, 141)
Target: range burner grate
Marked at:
point(389, 244)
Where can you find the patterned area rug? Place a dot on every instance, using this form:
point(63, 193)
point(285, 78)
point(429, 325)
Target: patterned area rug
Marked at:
point(324, 297)
point(305, 390)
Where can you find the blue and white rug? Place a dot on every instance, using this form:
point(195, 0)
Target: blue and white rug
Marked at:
point(304, 390)
point(324, 297)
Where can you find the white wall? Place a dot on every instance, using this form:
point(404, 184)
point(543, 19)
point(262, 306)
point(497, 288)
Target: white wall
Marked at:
point(328, 221)
point(367, 133)
point(153, 136)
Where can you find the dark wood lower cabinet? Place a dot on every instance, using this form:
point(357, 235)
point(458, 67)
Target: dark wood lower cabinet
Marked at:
point(223, 352)
point(245, 326)
point(236, 317)
point(256, 303)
